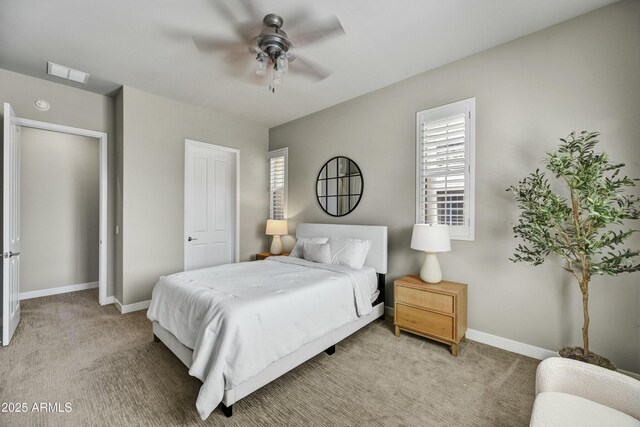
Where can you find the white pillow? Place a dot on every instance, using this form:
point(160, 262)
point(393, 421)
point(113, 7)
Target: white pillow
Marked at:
point(317, 252)
point(298, 249)
point(349, 252)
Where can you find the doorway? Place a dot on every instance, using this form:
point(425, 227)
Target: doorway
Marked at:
point(12, 240)
point(59, 212)
point(211, 205)
point(101, 137)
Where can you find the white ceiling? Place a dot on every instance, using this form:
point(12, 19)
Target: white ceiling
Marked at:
point(129, 42)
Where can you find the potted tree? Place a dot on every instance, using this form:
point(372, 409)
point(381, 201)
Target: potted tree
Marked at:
point(584, 225)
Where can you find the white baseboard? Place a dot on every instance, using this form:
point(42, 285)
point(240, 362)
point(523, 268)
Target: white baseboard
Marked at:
point(60, 290)
point(503, 343)
point(510, 345)
point(129, 308)
point(109, 300)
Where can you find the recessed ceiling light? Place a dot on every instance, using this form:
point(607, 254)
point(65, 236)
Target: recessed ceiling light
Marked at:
point(67, 73)
point(41, 104)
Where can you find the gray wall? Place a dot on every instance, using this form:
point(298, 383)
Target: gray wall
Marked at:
point(69, 107)
point(60, 209)
point(152, 230)
point(581, 74)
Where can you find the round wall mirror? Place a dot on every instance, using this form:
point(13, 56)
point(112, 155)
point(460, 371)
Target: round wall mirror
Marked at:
point(339, 186)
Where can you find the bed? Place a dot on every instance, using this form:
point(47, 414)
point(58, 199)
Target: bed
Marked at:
point(261, 319)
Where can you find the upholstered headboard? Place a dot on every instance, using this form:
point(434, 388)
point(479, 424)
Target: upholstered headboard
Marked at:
point(377, 256)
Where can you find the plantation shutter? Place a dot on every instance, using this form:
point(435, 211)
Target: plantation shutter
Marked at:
point(444, 154)
point(278, 184)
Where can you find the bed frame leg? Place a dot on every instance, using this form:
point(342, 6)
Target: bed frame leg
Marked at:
point(227, 410)
point(331, 350)
point(155, 338)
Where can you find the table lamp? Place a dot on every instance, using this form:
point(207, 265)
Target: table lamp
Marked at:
point(276, 228)
point(431, 239)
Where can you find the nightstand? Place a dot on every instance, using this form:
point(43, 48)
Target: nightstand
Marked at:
point(263, 255)
point(436, 311)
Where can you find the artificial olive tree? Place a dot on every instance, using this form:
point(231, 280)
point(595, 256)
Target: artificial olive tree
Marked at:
point(584, 225)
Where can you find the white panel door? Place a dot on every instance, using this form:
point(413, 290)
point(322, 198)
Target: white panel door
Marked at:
point(210, 205)
point(10, 226)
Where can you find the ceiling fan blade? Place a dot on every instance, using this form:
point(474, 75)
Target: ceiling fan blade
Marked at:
point(301, 65)
point(250, 8)
point(238, 65)
point(209, 44)
point(248, 31)
point(296, 20)
point(244, 30)
point(319, 30)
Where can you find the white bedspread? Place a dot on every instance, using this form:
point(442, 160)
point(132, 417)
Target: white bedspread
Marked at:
point(240, 318)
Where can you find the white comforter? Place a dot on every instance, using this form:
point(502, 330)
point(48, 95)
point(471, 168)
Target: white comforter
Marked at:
point(239, 318)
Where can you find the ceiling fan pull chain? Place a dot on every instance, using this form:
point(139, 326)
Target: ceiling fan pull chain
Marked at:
point(272, 86)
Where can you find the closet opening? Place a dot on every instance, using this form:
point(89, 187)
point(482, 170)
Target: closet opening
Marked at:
point(59, 212)
point(63, 209)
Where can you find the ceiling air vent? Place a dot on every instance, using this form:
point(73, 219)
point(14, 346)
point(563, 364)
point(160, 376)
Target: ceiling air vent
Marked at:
point(67, 73)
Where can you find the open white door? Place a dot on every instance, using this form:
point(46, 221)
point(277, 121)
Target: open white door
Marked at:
point(210, 205)
point(10, 227)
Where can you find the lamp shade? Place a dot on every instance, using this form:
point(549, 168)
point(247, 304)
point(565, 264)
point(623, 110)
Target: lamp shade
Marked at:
point(430, 238)
point(277, 227)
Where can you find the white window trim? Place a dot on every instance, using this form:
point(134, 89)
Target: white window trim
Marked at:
point(442, 112)
point(282, 152)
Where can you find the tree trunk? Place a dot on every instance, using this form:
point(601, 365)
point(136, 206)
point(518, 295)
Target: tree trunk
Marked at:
point(584, 266)
point(585, 310)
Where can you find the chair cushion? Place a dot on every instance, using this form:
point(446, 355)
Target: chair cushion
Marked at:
point(553, 409)
point(600, 385)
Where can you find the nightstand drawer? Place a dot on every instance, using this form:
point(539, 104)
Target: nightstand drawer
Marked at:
point(421, 298)
point(419, 320)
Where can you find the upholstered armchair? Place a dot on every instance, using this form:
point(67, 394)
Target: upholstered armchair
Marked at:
point(572, 393)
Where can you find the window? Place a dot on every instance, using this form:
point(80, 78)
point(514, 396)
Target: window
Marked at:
point(445, 142)
point(278, 164)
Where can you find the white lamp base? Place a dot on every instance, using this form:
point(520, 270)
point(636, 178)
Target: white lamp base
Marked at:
point(430, 271)
point(276, 246)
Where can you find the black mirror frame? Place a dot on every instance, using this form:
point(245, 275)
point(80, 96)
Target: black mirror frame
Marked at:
point(324, 167)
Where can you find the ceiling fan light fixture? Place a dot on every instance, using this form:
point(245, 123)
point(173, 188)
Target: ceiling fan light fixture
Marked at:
point(282, 63)
point(276, 62)
point(261, 64)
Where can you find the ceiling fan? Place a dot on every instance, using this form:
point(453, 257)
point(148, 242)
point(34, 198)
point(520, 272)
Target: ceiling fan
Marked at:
point(268, 45)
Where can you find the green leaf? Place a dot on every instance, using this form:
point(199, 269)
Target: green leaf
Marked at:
point(550, 224)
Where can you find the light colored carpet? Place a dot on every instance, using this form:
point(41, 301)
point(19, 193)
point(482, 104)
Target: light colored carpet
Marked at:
point(69, 349)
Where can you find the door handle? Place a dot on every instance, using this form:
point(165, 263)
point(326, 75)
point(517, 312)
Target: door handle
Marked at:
point(191, 238)
point(10, 254)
